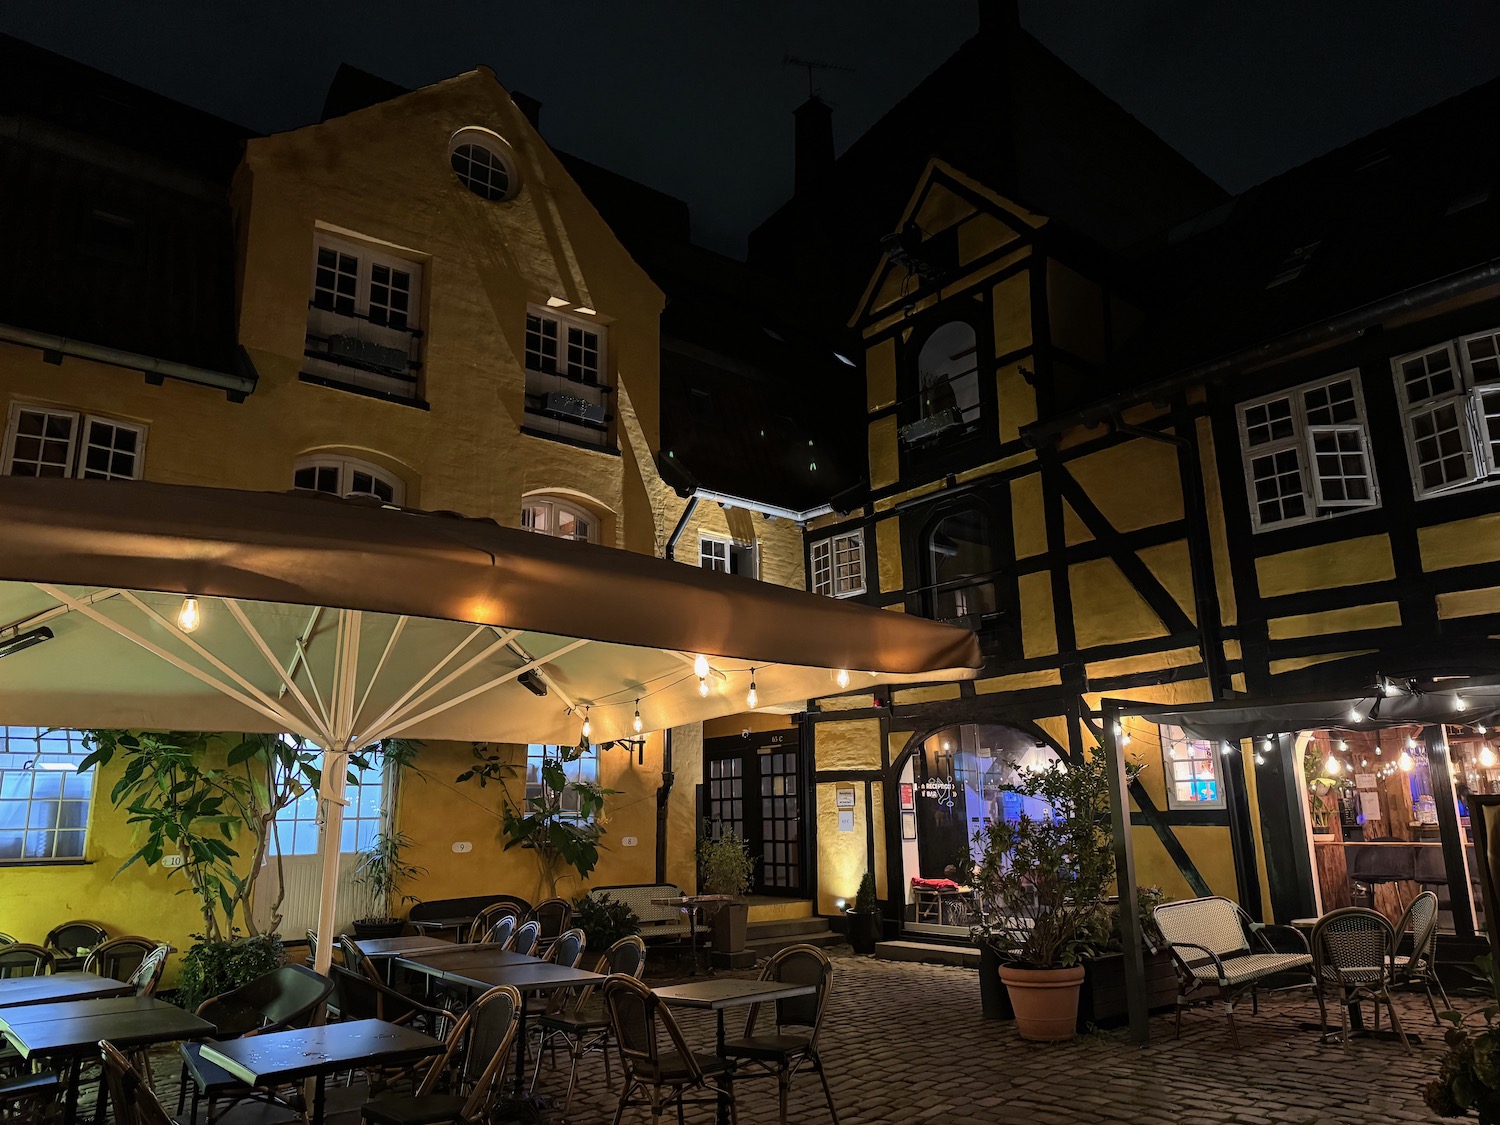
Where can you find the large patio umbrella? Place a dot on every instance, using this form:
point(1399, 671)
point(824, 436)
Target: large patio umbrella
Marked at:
point(126, 604)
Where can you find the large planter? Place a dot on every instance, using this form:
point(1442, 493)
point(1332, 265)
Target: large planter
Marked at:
point(727, 927)
point(1045, 1000)
point(994, 1004)
point(864, 930)
point(1102, 1000)
point(370, 928)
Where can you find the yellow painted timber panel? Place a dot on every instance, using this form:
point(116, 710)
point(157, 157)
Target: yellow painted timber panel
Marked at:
point(886, 503)
point(1460, 543)
point(1346, 562)
point(880, 374)
point(1172, 567)
point(1074, 532)
point(1038, 620)
point(928, 693)
point(1017, 401)
point(1106, 607)
point(991, 467)
point(1468, 603)
point(1134, 484)
point(1148, 662)
point(1075, 308)
point(1297, 663)
point(982, 235)
point(842, 856)
point(941, 208)
point(1376, 616)
point(888, 554)
point(844, 702)
point(877, 814)
point(884, 462)
point(1232, 650)
point(1027, 515)
point(853, 744)
point(1012, 303)
point(1020, 681)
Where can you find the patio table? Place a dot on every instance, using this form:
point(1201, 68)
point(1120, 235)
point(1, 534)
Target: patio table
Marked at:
point(458, 924)
point(481, 967)
point(316, 1052)
point(75, 1034)
point(690, 905)
point(58, 986)
point(723, 993)
point(377, 949)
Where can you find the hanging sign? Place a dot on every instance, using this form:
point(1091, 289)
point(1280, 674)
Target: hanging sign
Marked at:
point(843, 797)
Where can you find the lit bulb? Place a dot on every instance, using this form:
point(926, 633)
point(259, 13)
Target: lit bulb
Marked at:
point(1118, 729)
point(700, 666)
point(703, 688)
point(1227, 749)
point(1405, 762)
point(1259, 760)
point(187, 617)
point(1480, 728)
point(1333, 765)
point(1378, 750)
point(588, 727)
point(1364, 762)
point(1487, 758)
point(1125, 739)
point(1270, 743)
point(636, 723)
point(1354, 715)
point(842, 679)
point(1460, 703)
point(1343, 745)
point(1411, 743)
point(752, 697)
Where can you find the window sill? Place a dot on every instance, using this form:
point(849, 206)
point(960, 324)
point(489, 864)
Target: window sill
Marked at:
point(575, 442)
point(46, 863)
point(383, 396)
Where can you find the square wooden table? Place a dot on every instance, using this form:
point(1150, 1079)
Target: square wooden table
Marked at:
point(58, 986)
point(73, 1032)
point(723, 993)
point(316, 1052)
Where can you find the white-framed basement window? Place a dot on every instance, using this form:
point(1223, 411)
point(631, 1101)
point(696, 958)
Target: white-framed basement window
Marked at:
point(547, 515)
point(727, 556)
point(838, 565)
point(347, 476)
point(1450, 409)
point(44, 800)
point(363, 319)
point(50, 441)
point(1192, 770)
point(1307, 452)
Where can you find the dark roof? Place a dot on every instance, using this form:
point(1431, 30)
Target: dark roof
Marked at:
point(1006, 111)
point(114, 212)
point(1392, 211)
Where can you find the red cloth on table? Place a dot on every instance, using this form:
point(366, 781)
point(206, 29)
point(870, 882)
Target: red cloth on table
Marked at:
point(934, 884)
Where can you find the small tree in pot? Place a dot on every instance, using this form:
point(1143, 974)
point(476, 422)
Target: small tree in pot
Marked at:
point(381, 871)
point(725, 867)
point(1042, 881)
point(864, 917)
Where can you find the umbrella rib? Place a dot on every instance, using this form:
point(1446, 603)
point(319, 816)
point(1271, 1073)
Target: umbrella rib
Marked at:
point(56, 611)
point(397, 728)
point(256, 639)
point(396, 714)
point(541, 673)
point(431, 672)
point(390, 646)
point(299, 649)
point(97, 617)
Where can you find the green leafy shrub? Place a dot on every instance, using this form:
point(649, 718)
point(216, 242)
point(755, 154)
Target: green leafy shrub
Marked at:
point(864, 898)
point(604, 920)
point(725, 866)
point(210, 968)
point(1469, 1075)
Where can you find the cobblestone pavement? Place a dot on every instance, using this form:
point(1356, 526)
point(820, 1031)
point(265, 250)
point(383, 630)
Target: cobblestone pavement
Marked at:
point(906, 1043)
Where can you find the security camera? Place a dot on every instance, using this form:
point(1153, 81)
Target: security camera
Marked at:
point(745, 733)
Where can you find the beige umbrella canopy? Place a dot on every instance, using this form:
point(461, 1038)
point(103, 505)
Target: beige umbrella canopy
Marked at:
point(349, 622)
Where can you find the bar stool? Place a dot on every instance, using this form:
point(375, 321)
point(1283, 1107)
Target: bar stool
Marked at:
point(1384, 861)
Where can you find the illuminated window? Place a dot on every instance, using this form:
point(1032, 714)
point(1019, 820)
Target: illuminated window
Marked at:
point(838, 565)
point(347, 476)
point(585, 769)
point(1192, 771)
point(44, 800)
point(46, 441)
point(726, 556)
point(559, 518)
point(297, 825)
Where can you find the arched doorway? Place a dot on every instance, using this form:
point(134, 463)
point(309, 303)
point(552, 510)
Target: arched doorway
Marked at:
point(950, 784)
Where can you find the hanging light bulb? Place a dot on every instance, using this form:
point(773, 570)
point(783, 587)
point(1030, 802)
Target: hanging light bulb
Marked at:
point(1487, 757)
point(1480, 728)
point(1333, 765)
point(1354, 715)
point(1260, 760)
point(1411, 743)
point(636, 722)
point(588, 727)
point(752, 697)
point(1228, 748)
point(700, 666)
point(188, 618)
point(1270, 742)
point(703, 688)
point(1343, 745)
point(1405, 762)
point(1460, 703)
point(1125, 739)
point(1364, 762)
point(842, 679)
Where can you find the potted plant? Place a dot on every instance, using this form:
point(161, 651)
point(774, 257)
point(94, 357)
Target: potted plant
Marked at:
point(604, 920)
point(1042, 880)
point(381, 871)
point(864, 917)
point(1102, 1001)
point(1469, 1076)
point(725, 867)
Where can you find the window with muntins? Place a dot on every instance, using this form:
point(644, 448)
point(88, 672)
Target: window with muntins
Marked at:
point(838, 565)
point(362, 320)
point(1450, 404)
point(567, 384)
point(584, 770)
point(726, 555)
point(560, 519)
point(948, 405)
point(348, 476)
point(1192, 770)
point(1307, 453)
point(44, 800)
point(297, 827)
point(961, 564)
point(47, 441)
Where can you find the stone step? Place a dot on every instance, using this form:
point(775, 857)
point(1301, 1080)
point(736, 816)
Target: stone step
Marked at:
point(765, 946)
point(928, 953)
point(766, 909)
point(787, 927)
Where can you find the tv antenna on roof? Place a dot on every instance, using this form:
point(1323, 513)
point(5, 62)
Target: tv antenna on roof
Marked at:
point(812, 65)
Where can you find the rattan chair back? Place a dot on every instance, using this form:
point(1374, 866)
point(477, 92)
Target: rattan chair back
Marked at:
point(568, 949)
point(627, 956)
point(526, 938)
point(77, 938)
point(355, 959)
point(1353, 947)
point(147, 974)
point(1421, 918)
point(554, 914)
point(1214, 923)
point(636, 1016)
point(118, 957)
point(20, 959)
point(500, 932)
point(486, 919)
point(131, 1097)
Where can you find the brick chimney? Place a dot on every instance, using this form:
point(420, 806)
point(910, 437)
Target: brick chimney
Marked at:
point(814, 141)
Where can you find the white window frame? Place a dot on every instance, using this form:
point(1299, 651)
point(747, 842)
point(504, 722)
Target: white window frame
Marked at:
point(347, 467)
point(565, 323)
point(1303, 441)
point(332, 322)
point(35, 743)
point(302, 817)
point(826, 556)
point(584, 769)
point(717, 552)
point(1199, 750)
point(1467, 400)
point(369, 257)
point(553, 505)
point(79, 425)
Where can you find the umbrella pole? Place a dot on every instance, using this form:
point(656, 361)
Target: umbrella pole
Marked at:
point(335, 771)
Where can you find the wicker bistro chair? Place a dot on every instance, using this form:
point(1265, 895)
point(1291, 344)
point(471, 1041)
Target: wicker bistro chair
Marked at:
point(568, 948)
point(554, 914)
point(499, 933)
point(663, 1078)
point(1353, 951)
point(118, 957)
point(487, 919)
point(131, 1097)
point(580, 1021)
point(526, 937)
point(147, 974)
point(19, 959)
point(1420, 967)
point(782, 1053)
point(473, 1065)
point(71, 942)
point(1214, 958)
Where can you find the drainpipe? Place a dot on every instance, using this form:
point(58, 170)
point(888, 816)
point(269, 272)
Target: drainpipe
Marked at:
point(687, 514)
point(662, 793)
point(155, 370)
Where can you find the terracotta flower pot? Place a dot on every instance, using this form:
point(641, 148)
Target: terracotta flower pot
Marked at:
point(1045, 1000)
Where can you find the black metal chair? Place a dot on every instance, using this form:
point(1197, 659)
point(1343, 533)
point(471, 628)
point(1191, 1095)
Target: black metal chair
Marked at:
point(525, 939)
point(580, 1021)
point(1383, 860)
point(1352, 953)
point(663, 1077)
point(118, 957)
point(486, 919)
point(499, 933)
point(71, 942)
point(782, 1053)
point(20, 959)
point(554, 915)
point(473, 1066)
point(290, 996)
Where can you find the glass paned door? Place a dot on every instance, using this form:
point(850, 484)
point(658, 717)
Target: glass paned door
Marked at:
point(754, 788)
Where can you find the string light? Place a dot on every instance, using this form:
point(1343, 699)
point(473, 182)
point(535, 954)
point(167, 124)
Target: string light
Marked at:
point(1354, 715)
point(1260, 760)
point(188, 617)
point(700, 669)
point(1411, 742)
point(842, 679)
point(1405, 762)
point(1333, 765)
point(1364, 762)
point(588, 727)
point(1487, 757)
point(1270, 742)
point(1343, 745)
point(752, 697)
point(1480, 728)
point(636, 723)
point(1460, 703)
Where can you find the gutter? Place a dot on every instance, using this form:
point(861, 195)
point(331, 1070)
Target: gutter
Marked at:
point(728, 501)
point(155, 370)
point(1355, 320)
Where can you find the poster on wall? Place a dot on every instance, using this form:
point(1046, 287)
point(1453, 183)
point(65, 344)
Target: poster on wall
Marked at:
point(843, 797)
point(908, 796)
point(908, 826)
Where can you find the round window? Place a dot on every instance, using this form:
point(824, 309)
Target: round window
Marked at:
point(482, 166)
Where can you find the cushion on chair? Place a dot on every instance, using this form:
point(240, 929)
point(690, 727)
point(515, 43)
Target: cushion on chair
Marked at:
point(409, 1109)
point(1252, 967)
point(766, 1046)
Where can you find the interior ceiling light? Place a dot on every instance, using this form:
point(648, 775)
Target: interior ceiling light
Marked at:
point(22, 641)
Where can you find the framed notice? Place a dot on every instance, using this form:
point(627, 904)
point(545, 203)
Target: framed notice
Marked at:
point(908, 826)
point(843, 797)
point(908, 796)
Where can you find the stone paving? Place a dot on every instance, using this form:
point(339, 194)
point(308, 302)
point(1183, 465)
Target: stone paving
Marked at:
point(906, 1043)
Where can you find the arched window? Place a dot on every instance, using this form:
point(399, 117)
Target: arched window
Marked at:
point(948, 376)
point(548, 515)
point(347, 476)
point(961, 558)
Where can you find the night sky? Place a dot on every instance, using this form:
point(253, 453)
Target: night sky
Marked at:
point(693, 96)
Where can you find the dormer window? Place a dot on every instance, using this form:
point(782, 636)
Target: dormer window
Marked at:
point(347, 476)
point(567, 380)
point(559, 518)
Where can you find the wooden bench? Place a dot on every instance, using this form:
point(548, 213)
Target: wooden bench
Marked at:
point(657, 922)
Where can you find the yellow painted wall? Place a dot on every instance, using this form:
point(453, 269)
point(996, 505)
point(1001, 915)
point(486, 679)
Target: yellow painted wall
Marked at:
point(1460, 543)
point(842, 856)
point(852, 744)
point(1348, 562)
point(1106, 607)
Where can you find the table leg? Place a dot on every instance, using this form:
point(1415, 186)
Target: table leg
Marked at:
point(719, 1050)
point(692, 913)
point(74, 1072)
point(520, 1050)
